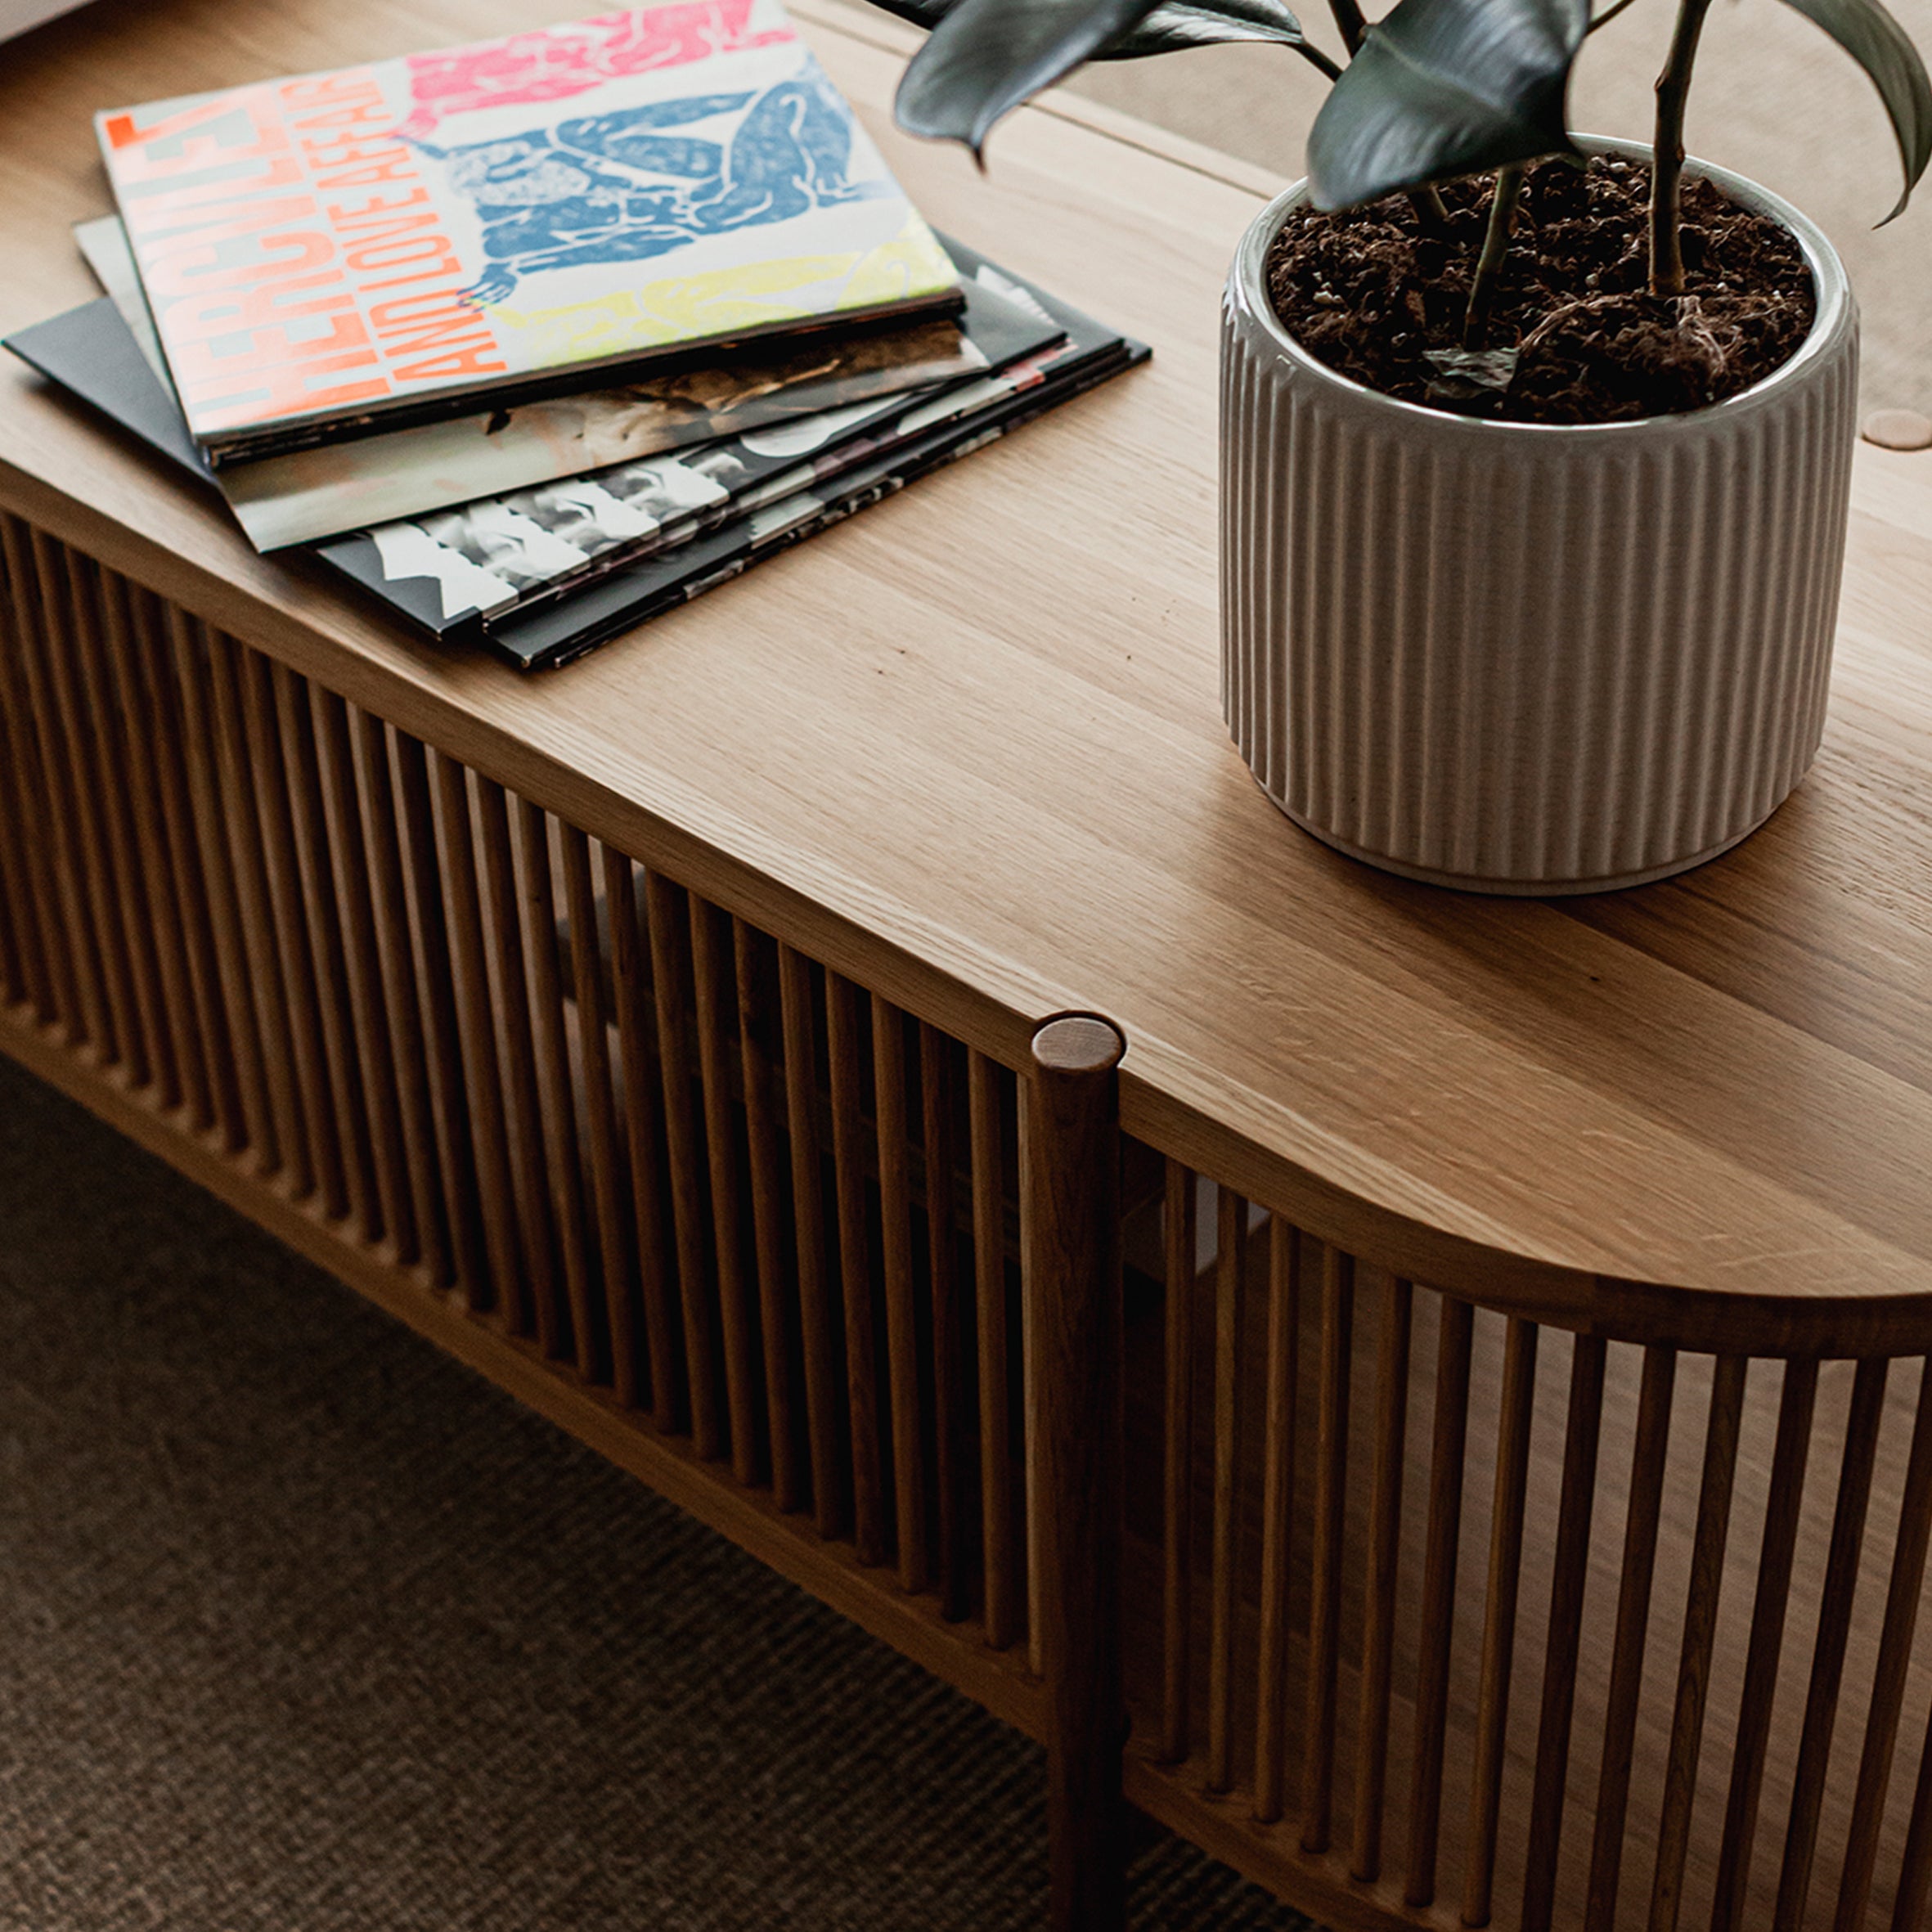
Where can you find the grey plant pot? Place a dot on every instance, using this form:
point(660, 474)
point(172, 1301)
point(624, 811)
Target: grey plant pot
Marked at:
point(1515, 658)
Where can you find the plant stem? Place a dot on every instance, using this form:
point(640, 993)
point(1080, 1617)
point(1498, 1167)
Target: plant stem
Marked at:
point(1430, 213)
point(1316, 59)
point(1667, 151)
point(1350, 23)
point(1431, 217)
point(1608, 15)
point(1503, 207)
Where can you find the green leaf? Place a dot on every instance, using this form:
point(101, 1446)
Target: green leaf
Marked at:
point(1182, 24)
point(1441, 88)
point(1169, 28)
point(986, 56)
point(1881, 46)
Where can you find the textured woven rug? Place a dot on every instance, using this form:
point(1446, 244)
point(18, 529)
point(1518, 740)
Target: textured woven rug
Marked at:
point(304, 1627)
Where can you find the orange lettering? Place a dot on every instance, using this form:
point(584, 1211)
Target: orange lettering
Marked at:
point(233, 218)
point(405, 252)
point(361, 235)
point(181, 143)
point(405, 312)
point(449, 264)
point(344, 216)
point(197, 271)
point(409, 324)
point(346, 346)
point(285, 393)
point(399, 169)
point(463, 362)
point(377, 109)
point(452, 328)
point(120, 131)
point(324, 90)
point(195, 317)
point(343, 154)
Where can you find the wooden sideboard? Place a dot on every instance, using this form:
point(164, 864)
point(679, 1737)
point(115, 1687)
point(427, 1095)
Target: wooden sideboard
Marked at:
point(1522, 1331)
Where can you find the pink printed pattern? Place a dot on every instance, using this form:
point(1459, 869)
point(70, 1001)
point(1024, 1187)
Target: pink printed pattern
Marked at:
point(553, 63)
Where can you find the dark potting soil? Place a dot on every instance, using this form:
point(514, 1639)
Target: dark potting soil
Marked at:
point(1372, 293)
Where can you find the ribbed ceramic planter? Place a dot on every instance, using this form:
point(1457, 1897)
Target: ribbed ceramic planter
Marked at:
point(1516, 658)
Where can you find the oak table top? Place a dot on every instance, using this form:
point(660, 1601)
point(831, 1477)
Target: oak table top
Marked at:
point(970, 743)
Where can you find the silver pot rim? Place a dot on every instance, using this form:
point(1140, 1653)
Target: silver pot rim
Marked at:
point(1836, 311)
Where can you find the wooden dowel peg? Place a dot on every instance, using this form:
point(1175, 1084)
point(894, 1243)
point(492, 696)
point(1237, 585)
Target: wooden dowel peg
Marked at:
point(1072, 1267)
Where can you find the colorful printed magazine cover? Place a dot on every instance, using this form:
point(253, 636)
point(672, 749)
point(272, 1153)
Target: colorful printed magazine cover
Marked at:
point(471, 567)
point(333, 251)
point(558, 573)
point(310, 494)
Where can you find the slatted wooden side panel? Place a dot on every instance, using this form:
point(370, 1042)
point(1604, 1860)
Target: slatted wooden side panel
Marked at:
point(1433, 1617)
point(1443, 1619)
point(757, 1208)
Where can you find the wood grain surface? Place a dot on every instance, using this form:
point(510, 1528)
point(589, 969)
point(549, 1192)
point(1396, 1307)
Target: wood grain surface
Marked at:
point(968, 750)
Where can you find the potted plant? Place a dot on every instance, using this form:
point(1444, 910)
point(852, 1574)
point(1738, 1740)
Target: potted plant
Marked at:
point(1535, 457)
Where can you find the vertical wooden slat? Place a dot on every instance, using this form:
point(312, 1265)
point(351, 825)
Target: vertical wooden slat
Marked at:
point(610, 1194)
point(644, 1134)
point(1701, 1625)
point(33, 564)
point(760, 1052)
point(369, 1008)
point(1499, 1649)
point(1915, 1869)
point(843, 1038)
point(588, 1345)
point(818, 1322)
point(952, 1448)
point(1569, 1572)
point(1783, 1510)
point(396, 960)
point(55, 992)
point(1436, 1629)
point(482, 1069)
point(181, 1062)
point(1071, 1227)
point(125, 805)
point(1281, 1419)
point(20, 963)
point(667, 916)
point(503, 929)
point(268, 781)
point(236, 787)
point(65, 614)
point(1649, 1458)
point(192, 647)
point(995, 1419)
point(23, 980)
point(1224, 1579)
point(1378, 1595)
point(716, 1003)
point(1177, 1474)
point(902, 1340)
point(1835, 1623)
point(16, 908)
point(1329, 1551)
point(324, 925)
point(209, 1025)
point(1894, 1658)
point(453, 1148)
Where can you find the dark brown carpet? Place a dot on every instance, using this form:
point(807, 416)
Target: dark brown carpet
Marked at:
point(304, 1628)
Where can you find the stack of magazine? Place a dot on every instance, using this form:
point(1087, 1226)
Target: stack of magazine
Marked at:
point(533, 339)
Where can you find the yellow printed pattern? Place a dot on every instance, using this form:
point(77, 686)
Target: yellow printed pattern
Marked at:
point(727, 300)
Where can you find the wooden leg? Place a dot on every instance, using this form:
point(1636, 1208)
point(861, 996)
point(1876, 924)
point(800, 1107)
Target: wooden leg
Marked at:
point(1072, 1169)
